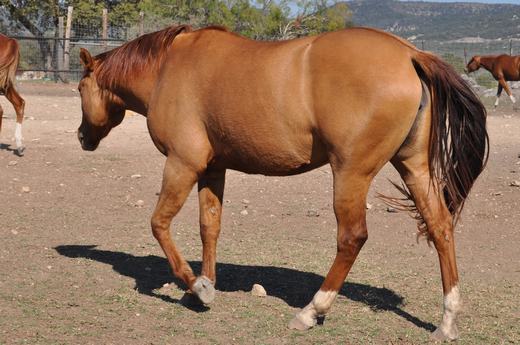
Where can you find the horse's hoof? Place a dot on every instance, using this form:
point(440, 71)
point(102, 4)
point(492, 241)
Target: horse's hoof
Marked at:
point(19, 151)
point(204, 290)
point(301, 325)
point(440, 335)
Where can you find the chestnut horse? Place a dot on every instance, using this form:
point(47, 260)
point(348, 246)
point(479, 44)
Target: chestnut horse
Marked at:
point(9, 56)
point(355, 99)
point(503, 68)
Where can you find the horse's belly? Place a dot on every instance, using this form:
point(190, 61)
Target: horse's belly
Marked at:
point(276, 160)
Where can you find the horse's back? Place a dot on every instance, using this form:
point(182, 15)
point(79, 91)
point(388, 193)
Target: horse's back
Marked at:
point(280, 104)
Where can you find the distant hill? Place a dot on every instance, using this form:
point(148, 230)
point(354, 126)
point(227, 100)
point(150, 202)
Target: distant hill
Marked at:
point(438, 21)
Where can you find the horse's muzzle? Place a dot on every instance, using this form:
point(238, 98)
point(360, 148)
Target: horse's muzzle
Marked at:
point(84, 144)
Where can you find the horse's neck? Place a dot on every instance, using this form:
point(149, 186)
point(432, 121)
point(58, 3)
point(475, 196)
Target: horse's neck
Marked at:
point(487, 62)
point(135, 94)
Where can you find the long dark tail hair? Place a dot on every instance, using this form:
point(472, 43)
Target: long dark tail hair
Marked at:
point(459, 143)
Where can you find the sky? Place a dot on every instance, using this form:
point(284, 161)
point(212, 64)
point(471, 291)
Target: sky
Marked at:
point(517, 2)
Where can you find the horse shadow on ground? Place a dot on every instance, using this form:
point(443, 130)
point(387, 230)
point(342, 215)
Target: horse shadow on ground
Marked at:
point(294, 287)
point(7, 147)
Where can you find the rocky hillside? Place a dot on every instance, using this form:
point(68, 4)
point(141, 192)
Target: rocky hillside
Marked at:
point(438, 21)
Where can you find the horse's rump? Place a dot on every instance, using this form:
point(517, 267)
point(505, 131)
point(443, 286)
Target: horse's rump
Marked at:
point(9, 57)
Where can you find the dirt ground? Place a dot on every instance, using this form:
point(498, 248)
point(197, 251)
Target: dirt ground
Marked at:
point(79, 265)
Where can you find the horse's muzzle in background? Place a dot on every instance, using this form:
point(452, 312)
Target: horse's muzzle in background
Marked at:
point(84, 144)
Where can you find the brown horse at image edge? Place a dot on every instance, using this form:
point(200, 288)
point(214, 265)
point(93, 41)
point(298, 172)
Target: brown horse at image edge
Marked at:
point(9, 57)
point(215, 100)
point(503, 68)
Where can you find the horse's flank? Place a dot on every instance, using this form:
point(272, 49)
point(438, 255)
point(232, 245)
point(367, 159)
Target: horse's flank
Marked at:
point(9, 56)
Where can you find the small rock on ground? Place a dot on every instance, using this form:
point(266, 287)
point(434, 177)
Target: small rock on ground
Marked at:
point(312, 213)
point(258, 290)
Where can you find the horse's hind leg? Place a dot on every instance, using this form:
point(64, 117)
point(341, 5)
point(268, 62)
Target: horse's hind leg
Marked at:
point(504, 84)
point(19, 105)
point(499, 93)
point(350, 192)
point(211, 191)
point(178, 181)
point(439, 223)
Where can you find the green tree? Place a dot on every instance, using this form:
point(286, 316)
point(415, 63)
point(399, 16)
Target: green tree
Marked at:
point(38, 17)
point(318, 16)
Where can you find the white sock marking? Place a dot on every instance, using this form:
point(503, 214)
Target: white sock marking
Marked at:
point(496, 102)
point(513, 99)
point(452, 306)
point(18, 135)
point(319, 305)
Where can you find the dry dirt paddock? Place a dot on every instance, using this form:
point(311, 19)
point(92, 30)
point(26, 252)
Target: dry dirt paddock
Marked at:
point(79, 265)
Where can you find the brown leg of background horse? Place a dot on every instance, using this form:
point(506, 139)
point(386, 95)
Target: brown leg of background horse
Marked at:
point(440, 229)
point(499, 93)
point(504, 84)
point(349, 206)
point(178, 181)
point(211, 191)
point(19, 106)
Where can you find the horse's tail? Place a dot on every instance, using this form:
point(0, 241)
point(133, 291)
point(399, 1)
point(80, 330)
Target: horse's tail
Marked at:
point(8, 65)
point(459, 143)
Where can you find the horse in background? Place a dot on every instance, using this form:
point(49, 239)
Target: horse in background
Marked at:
point(355, 99)
point(503, 67)
point(9, 57)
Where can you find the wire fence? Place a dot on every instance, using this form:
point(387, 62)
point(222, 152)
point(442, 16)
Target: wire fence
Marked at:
point(54, 55)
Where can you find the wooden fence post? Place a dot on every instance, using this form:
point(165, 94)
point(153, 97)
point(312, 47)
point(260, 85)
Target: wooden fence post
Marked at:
point(60, 45)
point(104, 34)
point(141, 23)
point(66, 49)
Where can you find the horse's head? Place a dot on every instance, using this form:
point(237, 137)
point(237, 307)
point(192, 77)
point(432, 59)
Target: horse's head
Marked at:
point(473, 64)
point(102, 109)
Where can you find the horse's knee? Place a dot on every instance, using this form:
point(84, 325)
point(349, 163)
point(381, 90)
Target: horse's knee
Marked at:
point(160, 226)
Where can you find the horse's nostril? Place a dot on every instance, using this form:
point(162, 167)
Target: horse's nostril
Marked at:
point(80, 135)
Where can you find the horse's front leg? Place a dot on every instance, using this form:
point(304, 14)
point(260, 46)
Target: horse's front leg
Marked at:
point(178, 180)
point(211, 191)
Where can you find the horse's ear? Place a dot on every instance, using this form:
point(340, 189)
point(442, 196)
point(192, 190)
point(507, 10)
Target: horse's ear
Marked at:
point(86, 59)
